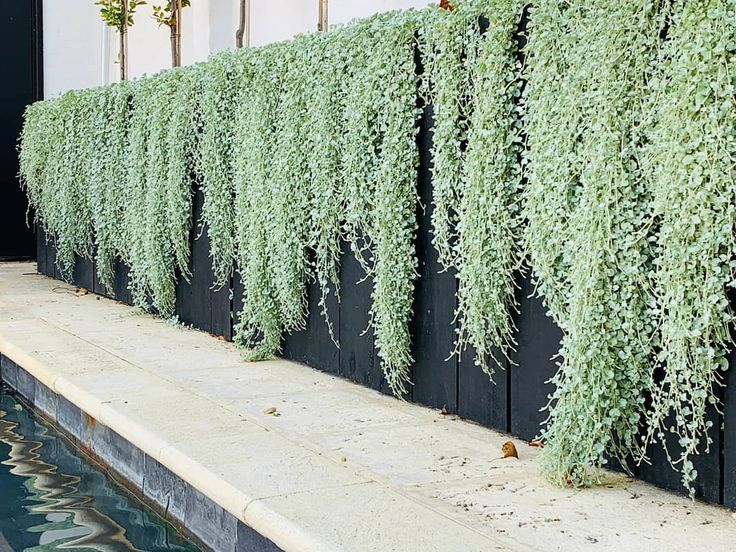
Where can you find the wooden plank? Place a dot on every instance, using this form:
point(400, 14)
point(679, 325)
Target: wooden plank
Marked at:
point(358, 360)
point(728, 435)
point(708, 464)
point(83, 274)
point(435, 370)
point(220, 308)
point(538, 340)
point(121, 282)
point(237, 301)
point(313, 345)
point(479, 398)
point(51, 267)
point(97, 285)
point(193, 304)
point(41, 251)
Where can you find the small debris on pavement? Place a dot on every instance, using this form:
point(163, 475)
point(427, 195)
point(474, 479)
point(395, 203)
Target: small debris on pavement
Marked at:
point(444, 410)
point(272, 411)
point(508, 449)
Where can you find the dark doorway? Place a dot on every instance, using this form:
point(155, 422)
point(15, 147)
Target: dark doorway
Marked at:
point(22, 69)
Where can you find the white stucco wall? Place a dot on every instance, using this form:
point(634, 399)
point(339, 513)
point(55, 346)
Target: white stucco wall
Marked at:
point(73, 34)
point(72, 51)
point(274, 20)
point(341, 11)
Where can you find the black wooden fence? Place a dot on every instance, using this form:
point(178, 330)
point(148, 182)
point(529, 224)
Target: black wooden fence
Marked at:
point(513, 404)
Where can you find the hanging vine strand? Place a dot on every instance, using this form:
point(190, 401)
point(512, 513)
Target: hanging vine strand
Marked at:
point(692, 178)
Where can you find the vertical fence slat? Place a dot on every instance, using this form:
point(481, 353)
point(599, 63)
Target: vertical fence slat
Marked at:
point(358, 361)
point(41, 250)
point(479, 398)
point(313, 345)
point(121, 282)
point(707, 484)
point(728, 435)
point(193, 304)
point(433, 327)
point(538, 340)
point(220, 306)
point(83, 274)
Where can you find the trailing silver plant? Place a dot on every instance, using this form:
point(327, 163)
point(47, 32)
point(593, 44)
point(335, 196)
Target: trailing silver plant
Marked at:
point(220, 84)
point(380, 159)
point(157, 219)
point(472, 79)
point(106, 174)
point(690, 162)
point(587, 163)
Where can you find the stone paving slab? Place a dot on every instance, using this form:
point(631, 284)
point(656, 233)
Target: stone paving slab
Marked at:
point(340, 468)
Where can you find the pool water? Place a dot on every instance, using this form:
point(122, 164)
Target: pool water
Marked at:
point(53, 498)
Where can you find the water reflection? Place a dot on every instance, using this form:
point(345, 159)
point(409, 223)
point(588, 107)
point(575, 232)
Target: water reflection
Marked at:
point(52, 499)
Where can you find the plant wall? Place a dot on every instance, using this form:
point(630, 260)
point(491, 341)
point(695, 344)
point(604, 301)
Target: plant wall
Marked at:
point(625, 211)
point(586, 189)
point(689, 163)
point(472, 80)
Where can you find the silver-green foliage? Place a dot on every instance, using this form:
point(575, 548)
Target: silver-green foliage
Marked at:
point(109, 168)
point(57, 148)
point(220, 84)
point(323, 150)
point(303, 145)
point(692, 179)
point(158, 193)
point(588, 205)
point(472, 80)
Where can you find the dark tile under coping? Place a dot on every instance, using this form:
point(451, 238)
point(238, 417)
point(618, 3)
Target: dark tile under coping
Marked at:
point(69, 418)
point(46, 401)
point(9, 371)
point(113, 450)
point(209, 521)
point(26, 385)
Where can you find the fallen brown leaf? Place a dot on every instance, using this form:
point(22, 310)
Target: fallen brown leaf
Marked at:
point(539, 444)
point(508, 449)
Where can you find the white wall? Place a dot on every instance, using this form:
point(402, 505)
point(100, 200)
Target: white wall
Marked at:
point(274, 20)
point(72, 50)
point(73, 34)
point(341, 11)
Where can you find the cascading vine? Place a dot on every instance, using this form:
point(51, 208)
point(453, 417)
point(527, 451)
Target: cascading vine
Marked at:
point(322, 138)
point(312, 168)
point(472, 80)
point(382, 214)
point(158, 192)
point(220, 78)
point(627, 215)
point(603, 299)
point(106, 176)
point(57, 147)
point(259, 324)
point(690, 162)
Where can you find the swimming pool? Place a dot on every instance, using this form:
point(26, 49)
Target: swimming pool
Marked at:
point(52, 497)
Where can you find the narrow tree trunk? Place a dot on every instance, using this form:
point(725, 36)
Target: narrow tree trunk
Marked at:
point(323, 19)
point(123, 57)
point(174, 48)
point(176, 34)
point(242, 36)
